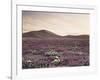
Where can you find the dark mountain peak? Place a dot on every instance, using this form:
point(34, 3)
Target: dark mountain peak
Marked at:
point(43, 30)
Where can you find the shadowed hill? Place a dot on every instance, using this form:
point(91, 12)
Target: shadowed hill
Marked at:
point(40, 34)
point(48, 34)
point(78, 36)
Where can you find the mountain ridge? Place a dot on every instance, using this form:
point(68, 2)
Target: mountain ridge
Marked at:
point(40, 34)
point(49, 34)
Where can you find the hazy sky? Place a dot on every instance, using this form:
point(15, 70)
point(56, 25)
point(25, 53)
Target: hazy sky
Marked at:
point(59, 23)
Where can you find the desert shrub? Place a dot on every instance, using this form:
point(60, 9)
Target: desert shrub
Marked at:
point(30, 64)
point(27, 64)
point(56, 62)
point(34, 51)
point(51, 53)
point(86, 63)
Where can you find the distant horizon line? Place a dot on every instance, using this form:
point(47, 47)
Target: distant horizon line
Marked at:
point(71, 34)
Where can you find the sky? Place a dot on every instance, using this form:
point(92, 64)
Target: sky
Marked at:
point(58, 23)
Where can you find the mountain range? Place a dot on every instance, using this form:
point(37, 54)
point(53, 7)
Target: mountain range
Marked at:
point(48, 34)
